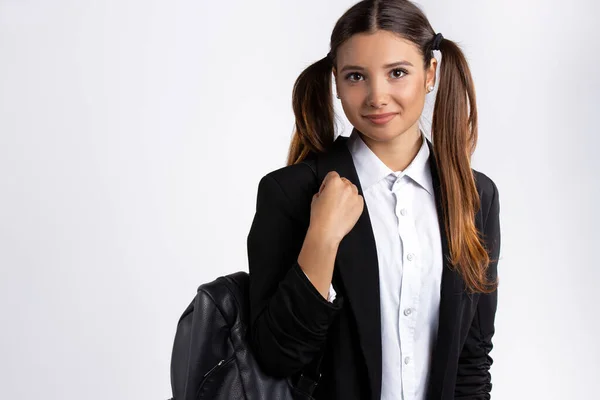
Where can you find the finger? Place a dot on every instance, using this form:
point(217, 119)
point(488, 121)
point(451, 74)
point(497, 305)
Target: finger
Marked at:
point(331, 175)
point(352, 185)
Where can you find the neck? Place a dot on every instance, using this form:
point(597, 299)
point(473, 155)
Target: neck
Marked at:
point(397, 153)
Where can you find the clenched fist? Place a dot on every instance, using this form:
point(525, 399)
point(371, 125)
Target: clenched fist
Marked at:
point(335, 209)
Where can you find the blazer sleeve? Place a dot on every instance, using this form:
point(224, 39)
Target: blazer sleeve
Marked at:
point(474, 380)
point(289, 318)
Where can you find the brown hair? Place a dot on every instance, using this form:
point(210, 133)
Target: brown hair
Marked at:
point(454, 126)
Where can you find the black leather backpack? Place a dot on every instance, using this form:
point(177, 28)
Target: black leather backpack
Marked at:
point(212, 358)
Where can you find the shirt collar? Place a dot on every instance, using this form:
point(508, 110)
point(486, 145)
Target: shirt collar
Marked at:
point(371, 169)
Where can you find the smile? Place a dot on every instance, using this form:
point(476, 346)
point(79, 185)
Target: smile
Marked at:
point(380, 119)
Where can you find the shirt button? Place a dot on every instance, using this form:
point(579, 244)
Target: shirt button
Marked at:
point(406, 360)
point(410, 256)
point(403, 211)
point(407, 311)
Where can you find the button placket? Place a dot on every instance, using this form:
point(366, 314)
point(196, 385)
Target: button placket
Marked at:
point(410, 288)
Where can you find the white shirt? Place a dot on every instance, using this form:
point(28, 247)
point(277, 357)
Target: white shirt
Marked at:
point(404, 219)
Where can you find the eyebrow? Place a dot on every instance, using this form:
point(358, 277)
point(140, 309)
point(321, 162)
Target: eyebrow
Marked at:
point(395, 64)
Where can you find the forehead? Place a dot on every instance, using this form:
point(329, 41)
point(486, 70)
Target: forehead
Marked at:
point(378, 48)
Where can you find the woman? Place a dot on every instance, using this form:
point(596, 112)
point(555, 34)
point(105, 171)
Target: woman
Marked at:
point(387, 268)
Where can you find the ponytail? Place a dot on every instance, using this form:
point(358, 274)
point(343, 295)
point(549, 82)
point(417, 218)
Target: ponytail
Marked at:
point(454, 132)
point(313, 107)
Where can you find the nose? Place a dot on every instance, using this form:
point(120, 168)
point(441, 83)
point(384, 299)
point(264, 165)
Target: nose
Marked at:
point(377, 97)
point(377, 103)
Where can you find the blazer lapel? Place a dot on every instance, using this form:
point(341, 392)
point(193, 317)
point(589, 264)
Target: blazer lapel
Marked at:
point(357, 266)
point(451, 295)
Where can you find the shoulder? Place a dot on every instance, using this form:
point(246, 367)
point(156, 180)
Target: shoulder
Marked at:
point(488, 193)
point(294, 179)
point(292, 187)
point(485, 184)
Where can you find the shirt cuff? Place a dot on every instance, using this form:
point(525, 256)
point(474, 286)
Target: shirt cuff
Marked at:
point(331, 295)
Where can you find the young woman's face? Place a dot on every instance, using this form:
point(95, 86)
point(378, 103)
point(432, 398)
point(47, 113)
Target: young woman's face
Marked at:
point(381, 73)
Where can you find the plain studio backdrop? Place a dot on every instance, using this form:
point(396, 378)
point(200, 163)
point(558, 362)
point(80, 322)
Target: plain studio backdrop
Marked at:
point(133, 135)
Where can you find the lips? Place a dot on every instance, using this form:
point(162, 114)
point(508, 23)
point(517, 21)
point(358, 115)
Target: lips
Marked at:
point(380, 118)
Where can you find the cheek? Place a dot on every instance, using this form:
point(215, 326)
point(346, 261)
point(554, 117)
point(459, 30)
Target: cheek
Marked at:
point(354, 100)
point(353, 106)
point(408, 97)
point(349, 109)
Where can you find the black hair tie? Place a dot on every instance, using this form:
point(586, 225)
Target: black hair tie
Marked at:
point(436, 41)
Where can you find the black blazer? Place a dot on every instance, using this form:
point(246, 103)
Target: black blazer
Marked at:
point(291, 323)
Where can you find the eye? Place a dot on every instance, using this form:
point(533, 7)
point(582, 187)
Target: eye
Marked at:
point(352, 74)
point(397, 71)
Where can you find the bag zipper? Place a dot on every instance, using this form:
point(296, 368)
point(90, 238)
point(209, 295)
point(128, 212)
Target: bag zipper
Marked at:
point(213, 368)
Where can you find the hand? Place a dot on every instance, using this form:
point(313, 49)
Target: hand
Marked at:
point(335, 209)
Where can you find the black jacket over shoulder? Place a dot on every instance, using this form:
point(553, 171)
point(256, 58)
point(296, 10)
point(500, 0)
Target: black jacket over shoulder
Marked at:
point(291, 323)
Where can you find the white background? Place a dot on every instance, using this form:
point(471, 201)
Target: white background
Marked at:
point(133, 135)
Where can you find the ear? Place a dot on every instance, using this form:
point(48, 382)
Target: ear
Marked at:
point(430, 75)
point(335, 79)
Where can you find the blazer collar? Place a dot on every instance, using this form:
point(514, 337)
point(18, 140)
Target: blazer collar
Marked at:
point(357, 265)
